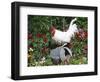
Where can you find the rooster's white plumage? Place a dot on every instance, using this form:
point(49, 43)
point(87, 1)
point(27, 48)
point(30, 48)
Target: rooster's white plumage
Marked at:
point(64, 37)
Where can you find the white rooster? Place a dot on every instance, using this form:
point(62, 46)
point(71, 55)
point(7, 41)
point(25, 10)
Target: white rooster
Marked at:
point(64, 37)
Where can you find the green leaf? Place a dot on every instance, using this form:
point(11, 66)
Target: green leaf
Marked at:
point(34, 45)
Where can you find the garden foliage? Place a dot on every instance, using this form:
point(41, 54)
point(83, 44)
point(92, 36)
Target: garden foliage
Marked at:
point(40, 42)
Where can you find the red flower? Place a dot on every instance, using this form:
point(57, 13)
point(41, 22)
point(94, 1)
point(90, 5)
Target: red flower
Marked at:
point(29, 36)
point(44, 50)
point(78, 36)
point(84, 35)
point(45, 40)
point(85, 49)
point(81, 35)
point(39, 35)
